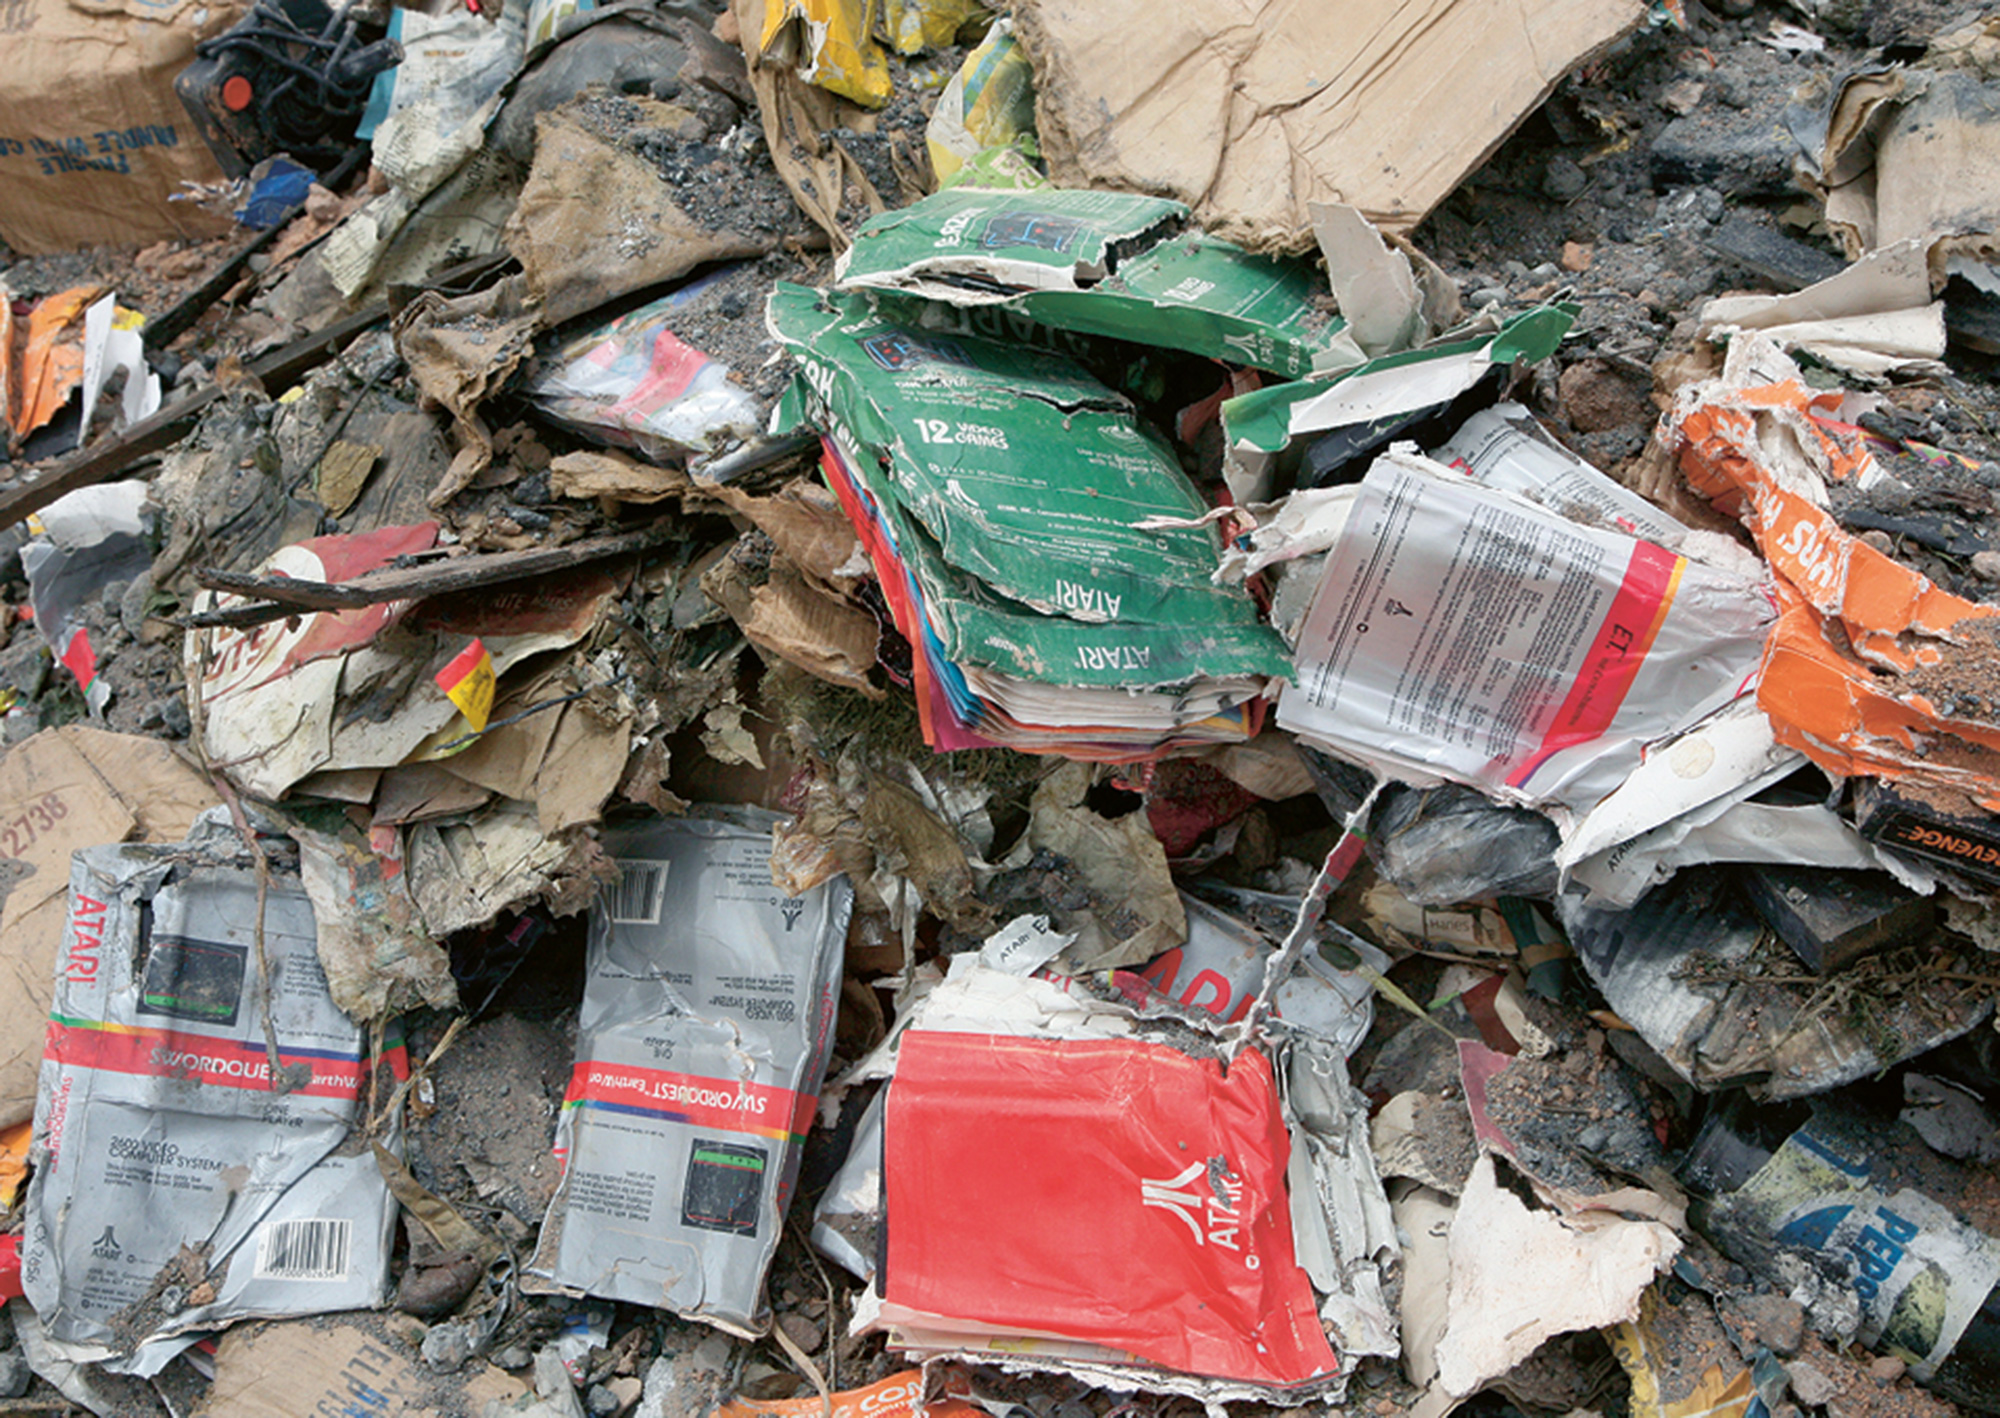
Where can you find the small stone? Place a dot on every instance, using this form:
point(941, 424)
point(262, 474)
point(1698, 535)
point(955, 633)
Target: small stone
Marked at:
point(514, 1356)
point(1597, 397)
point(600, 1402)
point(1810, 1383)
point(321, 205)
point(1778, 1322)
point(1576, 256)
point(733, 305)
point(1885, 1369)
point(1563, 179)
point(1594, 1138)
point(1486, 299)
point(132, 605)
point(1682, 96)
point(24, 666)
point(1730, 91)
point(711, 1355)
point(448, 1347)
point(1878, 539)
point(1986, 565)
point(1544, 273)
point(15, 1375)
point(22, 722)
point(174, 720)
point(802, 1331)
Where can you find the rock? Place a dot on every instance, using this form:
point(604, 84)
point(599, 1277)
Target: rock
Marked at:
point(676, 1385)
point(1743, 152)
point(1886, 544)
point(711, 1355)
point(321, 205)
point(22, 721)
point(1986, 565)
point(1729, 90)
point(802, 1331)
point(132, 605)
point(1886, 1369)
point(1682, 96)
point(174, 720)
point(1810, 1384)
point(434, 1286)
point(1576, 256)
point(15, 1375)
point(24, 666)
point(1563, 179)
point(1774, 1321)
point(660, 1392)
point(449, 1347)
point(1596, 398)
point(600, 1402)
point(514, 1356)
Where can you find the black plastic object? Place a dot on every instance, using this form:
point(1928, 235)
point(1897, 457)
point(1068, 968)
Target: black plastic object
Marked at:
point(1344, 454)
point(1832, 918)
point(1803, 1180)
point(291, 77)
point(1961, 841)
point(1440, 846)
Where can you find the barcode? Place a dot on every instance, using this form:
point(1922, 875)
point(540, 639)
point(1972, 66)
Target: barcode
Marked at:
point(304, 1250)
point(635, 895)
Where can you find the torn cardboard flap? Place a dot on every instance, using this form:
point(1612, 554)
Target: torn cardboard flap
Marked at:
point(1913, 154)
point(973, 246)
point(1251, 117)
point(1264, 429)
point(1520, 1276)
point(340, 1364)
point(1874, 317)
point(1099, 263)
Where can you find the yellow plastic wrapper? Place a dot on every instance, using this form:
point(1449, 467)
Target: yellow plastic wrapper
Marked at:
point(1680, 1362)
point(831, 43)
point(989, 103)
point(916, 25)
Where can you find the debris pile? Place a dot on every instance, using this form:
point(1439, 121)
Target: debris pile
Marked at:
point(805, 708)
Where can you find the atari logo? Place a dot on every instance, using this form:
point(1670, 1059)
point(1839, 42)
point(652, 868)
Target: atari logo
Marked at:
point(1211, 1213)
